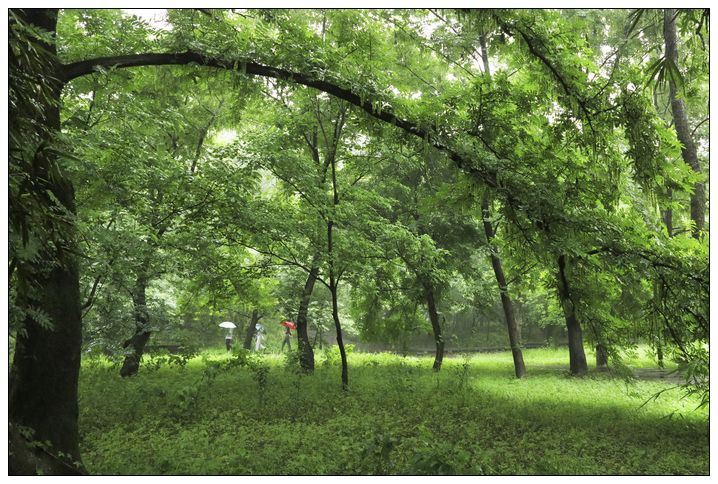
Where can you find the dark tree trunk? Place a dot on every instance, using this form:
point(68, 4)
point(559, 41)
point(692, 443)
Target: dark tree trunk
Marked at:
point(601, 356)
point(42, 394)
point(667, 216)
point(680, 121)
point(139, 339)
point(511, 324)
point(333, 290)
point(306, 353)
point(251, 330)
point(340, 339)
point(576, 352)
point(435, 326)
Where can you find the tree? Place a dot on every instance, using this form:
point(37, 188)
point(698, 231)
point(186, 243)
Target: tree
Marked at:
point(46, 362)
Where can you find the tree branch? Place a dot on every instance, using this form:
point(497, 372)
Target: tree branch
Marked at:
point(78, 69)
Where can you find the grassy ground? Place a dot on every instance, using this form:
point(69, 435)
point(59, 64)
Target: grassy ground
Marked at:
point(398, 418)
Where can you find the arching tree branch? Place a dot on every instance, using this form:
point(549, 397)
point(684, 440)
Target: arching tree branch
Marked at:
point(81, 68)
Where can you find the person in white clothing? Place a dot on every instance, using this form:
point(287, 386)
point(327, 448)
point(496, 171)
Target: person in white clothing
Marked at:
point(260, 337)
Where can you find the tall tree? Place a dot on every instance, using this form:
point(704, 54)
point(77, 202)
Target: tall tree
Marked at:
point(46, 362)
point(680, 119)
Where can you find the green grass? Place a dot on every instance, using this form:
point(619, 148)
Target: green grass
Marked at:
point(399, 417)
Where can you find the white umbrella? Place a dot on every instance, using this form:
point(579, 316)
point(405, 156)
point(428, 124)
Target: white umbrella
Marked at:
point(227, 324)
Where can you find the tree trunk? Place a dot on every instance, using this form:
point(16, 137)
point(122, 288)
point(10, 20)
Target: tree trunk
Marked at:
point(142, 334)
point(42, 394)
point(576, 353)
point(680, 121)
point(601, 356)
point(306, 354)
point(435, 326)
point(513, 329)
point(340, 340)
point(251, 330)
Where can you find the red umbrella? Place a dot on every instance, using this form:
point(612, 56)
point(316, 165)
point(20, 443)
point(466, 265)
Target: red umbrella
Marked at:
point(288, 324)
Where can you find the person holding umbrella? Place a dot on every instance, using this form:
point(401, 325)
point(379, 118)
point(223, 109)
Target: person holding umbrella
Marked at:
point(288, 327)
point(260, 337)
point(228, 339)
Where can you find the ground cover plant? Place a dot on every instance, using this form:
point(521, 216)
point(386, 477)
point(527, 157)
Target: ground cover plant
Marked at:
point(399, 417)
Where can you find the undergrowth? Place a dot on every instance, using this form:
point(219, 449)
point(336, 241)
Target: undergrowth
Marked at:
point(256, 414)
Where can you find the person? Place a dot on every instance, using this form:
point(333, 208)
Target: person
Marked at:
point(228, 340)
point(287, 338)
point(260, 337)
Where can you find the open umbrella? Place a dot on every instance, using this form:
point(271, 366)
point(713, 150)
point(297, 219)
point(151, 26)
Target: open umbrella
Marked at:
point(288, 324)
point(227, 324)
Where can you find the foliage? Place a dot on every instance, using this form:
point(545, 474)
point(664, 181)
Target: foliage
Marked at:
point(407, 431)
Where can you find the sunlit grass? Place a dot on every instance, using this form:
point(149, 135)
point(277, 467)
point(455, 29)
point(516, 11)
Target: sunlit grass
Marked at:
point(400, 417)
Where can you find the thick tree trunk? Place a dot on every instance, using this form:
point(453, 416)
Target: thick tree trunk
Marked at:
point(139, 339)
point(42, 395)
point(306, 353)
point(576, 352)
point(251, 330)
point(511, 324)
point(435, 326)
point(680, 121)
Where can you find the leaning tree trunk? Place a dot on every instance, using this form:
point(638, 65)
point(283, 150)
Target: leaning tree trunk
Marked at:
point(435, 326)
point(680, 121)
point(42, 394)
point(340, 339)
point(137, 342)
point(577, 356)
point(306, 353)
point(513, 328)
point(251, 330)
point(335, 305)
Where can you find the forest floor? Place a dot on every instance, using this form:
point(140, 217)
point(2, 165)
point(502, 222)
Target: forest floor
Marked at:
point(213, 416)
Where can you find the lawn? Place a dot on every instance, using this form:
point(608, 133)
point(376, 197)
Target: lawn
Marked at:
point(399, 417)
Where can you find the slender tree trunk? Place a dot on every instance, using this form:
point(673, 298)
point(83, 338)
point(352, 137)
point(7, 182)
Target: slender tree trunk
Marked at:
point(142, 334)
point(333, 283)
point(306, 353)
point(511, 324)
point(42, 394)
point(601, 356)
point(680, 121)
point(435, 326)
point(340, 339)
point(506, 303)
point(576, 352)
point(335, 306)
point(251, 330)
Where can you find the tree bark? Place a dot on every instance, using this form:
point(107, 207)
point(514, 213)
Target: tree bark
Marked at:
point(142, 334)
point(435, 326)
point(506, 303)
point(340, 339)
point(335, 307)
point(42, 395)
point(251, 330)
point(576, 352)
point(306, 353)
point(680, 121)
point(601, 356)
point(333, 283)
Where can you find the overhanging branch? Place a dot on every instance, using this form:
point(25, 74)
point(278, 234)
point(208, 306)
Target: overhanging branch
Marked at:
point(82, 68)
